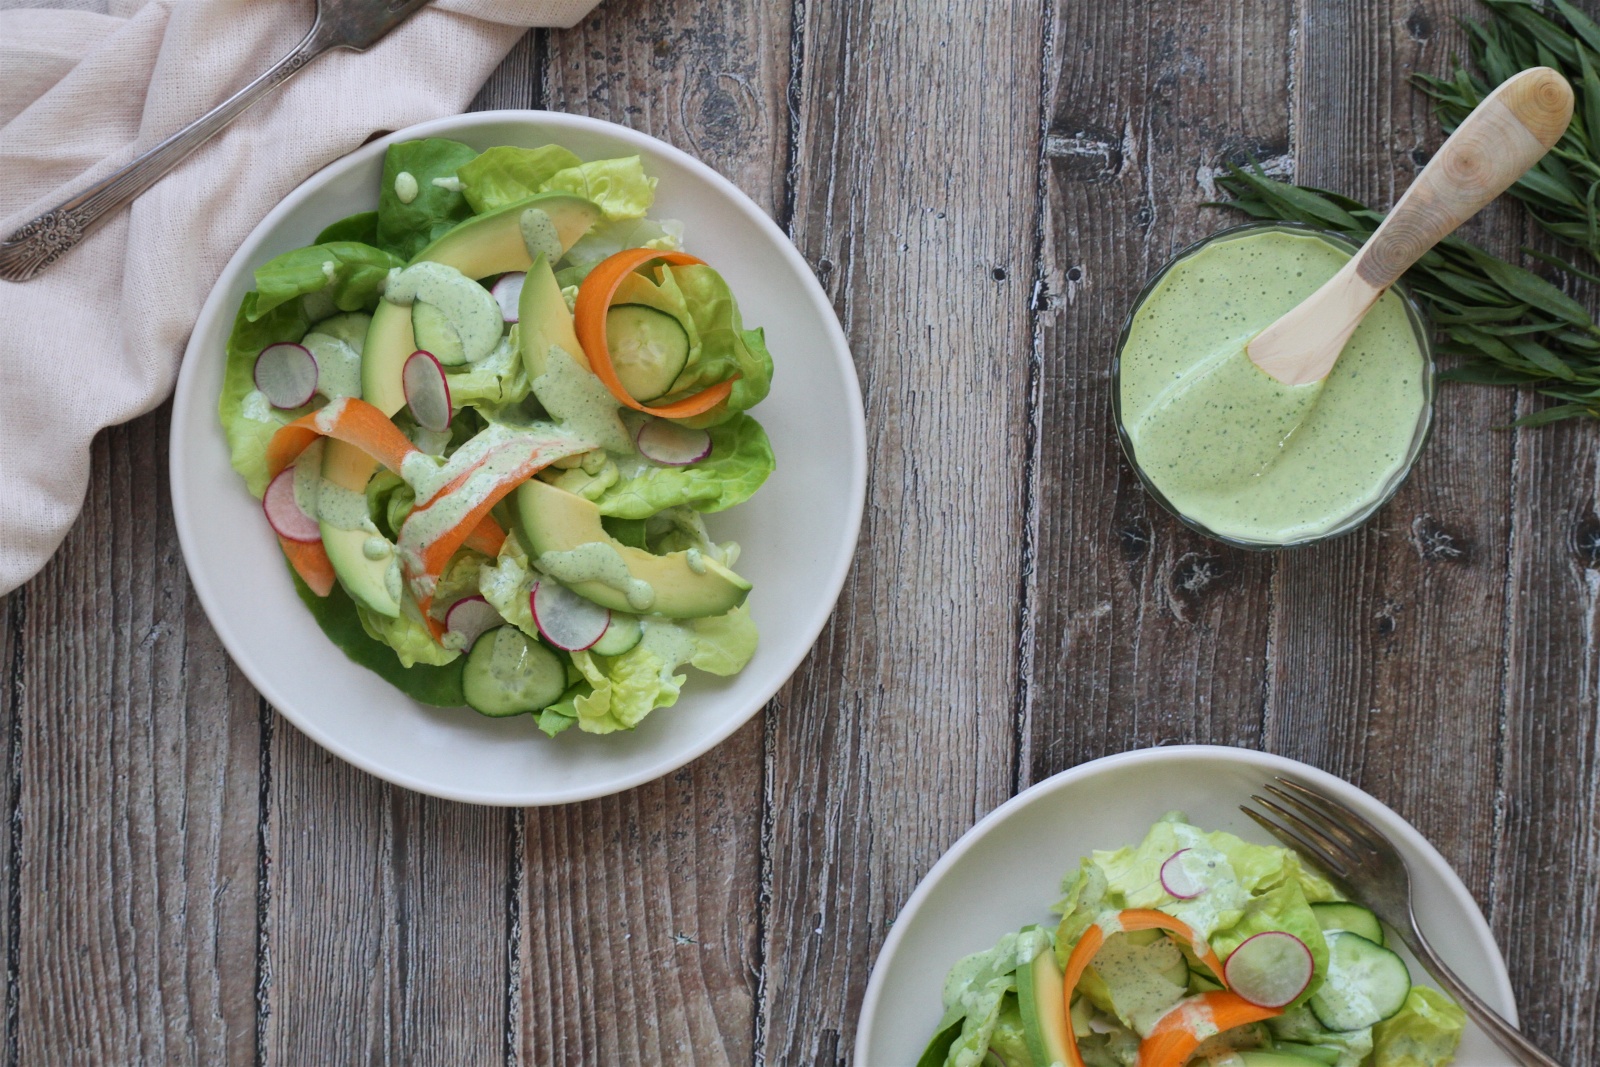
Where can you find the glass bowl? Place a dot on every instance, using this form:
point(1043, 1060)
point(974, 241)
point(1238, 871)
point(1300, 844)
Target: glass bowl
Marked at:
point(1420, 328)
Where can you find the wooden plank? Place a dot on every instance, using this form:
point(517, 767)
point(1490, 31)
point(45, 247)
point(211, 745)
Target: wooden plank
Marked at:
point(136, 761)
point(916, 204)
point(13, 613)
point(387, 913)
point(1546, 829)
point(1389, 642)
point(642, 907)
point(1144, 632)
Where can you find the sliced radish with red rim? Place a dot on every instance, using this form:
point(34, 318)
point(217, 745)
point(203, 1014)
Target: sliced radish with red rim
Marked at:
point(287, 375)
point(566, 619)
point(287, 518)
point(507, 292)
point(427, 391)
point(672, 445)
point(1177, 881)
point(470, 618)
point(1270, 969)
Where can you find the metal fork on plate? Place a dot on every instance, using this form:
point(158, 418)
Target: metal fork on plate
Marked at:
point(1372, 872)
point(352, 24)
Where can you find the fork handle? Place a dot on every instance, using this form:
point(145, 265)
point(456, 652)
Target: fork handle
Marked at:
point(1508, 1037)
point(45, 239)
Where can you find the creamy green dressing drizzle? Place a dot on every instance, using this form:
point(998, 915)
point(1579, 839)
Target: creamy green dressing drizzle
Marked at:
point(338, 365)
point(1230, 447)
point(696, 560)
point(1141, 993)
point(539, 233)
point(256, 407)
point(308, 479)
point(597, 561)
point(580, 401)
point(405, 187)
point(451, 183)
point(468, 306)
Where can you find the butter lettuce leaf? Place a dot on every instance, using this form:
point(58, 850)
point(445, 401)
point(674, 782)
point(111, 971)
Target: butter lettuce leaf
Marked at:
point(740, 461)
point(618, 187)
point(1424, 1033)
point(498, 379)
point(362, 226)
point(336, 615)
point(975, 996)
point(411, 641)
point(348, 275)
point(506, 174)
point(247, 419)
point(405, 229)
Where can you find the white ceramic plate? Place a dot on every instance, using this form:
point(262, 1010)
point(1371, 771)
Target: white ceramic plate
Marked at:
point(1006, 872)
point(798, 533)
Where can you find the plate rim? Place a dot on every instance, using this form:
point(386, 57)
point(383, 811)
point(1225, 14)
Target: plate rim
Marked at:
point(1039, 791)
point(838, 350)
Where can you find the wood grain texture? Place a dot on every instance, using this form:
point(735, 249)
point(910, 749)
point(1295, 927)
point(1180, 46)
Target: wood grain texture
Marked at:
point(135, 762)
point(1389, 643)
point(644, 906)
point(1144, 632)
point(1546, 827)
point(915, 205)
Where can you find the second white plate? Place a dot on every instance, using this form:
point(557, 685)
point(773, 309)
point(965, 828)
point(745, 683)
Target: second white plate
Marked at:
point(1006, 872)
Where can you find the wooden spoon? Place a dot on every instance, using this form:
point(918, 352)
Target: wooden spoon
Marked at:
point(1494, 146)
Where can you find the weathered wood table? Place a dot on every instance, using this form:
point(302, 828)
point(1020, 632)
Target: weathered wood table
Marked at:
point(981, 188)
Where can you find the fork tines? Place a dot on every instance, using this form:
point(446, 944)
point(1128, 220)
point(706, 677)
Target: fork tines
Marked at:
point(1326, 831)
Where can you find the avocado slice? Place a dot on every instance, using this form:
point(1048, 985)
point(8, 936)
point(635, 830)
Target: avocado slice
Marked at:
point(1274, 1058)
point(374, 583)
point(492, 243)
point(544, 320)
point(1041, 998)
point(554, 520)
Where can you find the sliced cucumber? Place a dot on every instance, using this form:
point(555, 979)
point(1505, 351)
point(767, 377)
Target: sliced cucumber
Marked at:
point(1365, 984)
point(623, 633)
point(1315, 1053)
point(436, 334)
point(648, 349)
point(508, 674)
point(1342, 915)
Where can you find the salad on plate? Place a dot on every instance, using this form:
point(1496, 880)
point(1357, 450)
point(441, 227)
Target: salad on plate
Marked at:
point(1194, 948)
point(487, 421)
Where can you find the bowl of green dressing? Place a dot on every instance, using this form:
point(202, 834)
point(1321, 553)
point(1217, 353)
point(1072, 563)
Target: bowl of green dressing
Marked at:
point(1232, 452)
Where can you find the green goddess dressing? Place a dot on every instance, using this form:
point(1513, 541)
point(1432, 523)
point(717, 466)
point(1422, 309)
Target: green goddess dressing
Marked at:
point(1230, 447)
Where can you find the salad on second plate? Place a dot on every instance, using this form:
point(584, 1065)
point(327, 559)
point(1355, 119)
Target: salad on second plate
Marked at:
point(1194, 948)
point(486, 421)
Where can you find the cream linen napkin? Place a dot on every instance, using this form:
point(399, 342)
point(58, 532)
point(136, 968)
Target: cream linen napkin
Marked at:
point(97, 338)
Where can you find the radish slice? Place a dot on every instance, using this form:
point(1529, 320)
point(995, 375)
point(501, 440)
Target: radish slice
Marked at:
point(1177, 881)
point(469, 619)
point(566, 619)
point(507, 292)
point(1270, 969)
point(287, 518)
point(427, 391)
point(287, 375)
point(672, 445)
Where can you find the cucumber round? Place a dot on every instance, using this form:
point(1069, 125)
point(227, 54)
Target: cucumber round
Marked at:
point(1365, 984)
point(1342, 915)
point(506, 673)
point(623, 633)
point(648, 349)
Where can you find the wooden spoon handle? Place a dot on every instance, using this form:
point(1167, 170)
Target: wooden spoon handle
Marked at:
point(1494, 146)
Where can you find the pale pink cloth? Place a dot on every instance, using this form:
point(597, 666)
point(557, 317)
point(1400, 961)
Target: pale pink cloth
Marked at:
point(96, 339)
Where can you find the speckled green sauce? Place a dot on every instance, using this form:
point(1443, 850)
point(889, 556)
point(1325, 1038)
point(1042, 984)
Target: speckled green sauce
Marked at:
point(1231, 448)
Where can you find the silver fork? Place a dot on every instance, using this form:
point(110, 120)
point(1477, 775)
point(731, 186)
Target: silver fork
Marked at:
point(352, 24)
point(1372, 872)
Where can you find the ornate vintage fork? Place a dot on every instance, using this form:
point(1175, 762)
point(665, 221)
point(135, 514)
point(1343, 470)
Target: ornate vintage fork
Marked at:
point(1372, 872)
point(352, 24)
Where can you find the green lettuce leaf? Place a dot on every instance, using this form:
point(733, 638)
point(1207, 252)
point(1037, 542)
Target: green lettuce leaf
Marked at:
point(405, 229)
point(336, 614)
point(362, 226)
point(498, 379)
point(606, 239)
point(411, 641)
point(505, 174)
point(618, 187)
point(1349, 1047)
point(348, 275)
point(247, 419)
point(975, 992)
point(1424, 1033)
point(740, 461)
point(508, 584)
